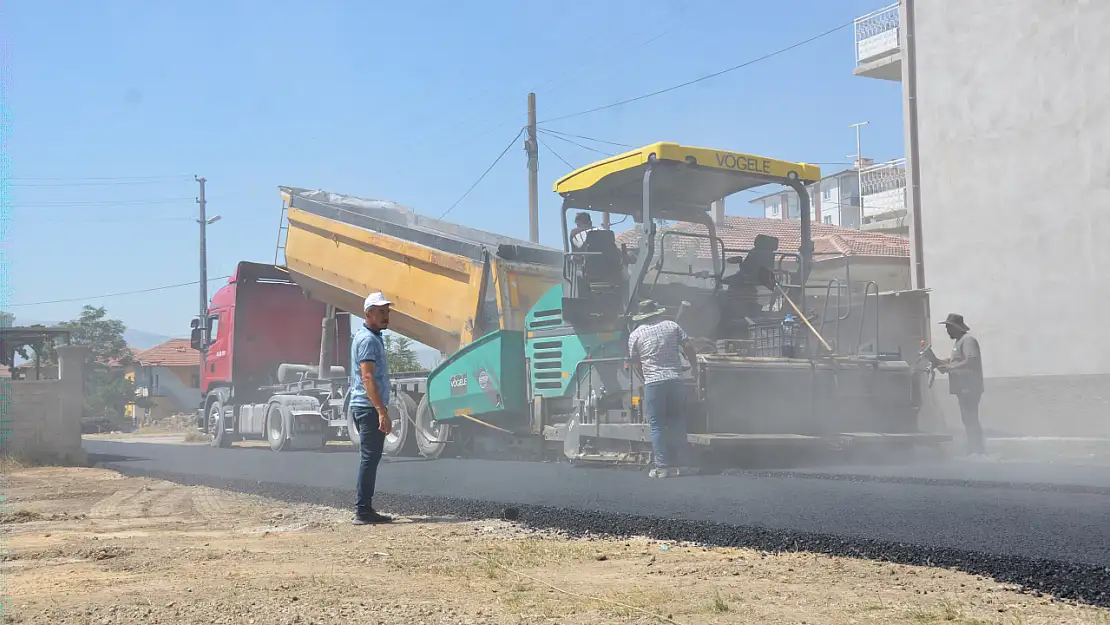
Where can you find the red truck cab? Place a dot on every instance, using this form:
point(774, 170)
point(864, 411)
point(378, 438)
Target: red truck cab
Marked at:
point(259, 320)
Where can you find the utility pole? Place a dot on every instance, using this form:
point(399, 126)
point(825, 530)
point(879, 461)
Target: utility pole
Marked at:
point(532, 147)
point(203, 221)
point(859, 174)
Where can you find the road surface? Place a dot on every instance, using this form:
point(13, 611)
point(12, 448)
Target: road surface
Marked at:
point(1060, 514)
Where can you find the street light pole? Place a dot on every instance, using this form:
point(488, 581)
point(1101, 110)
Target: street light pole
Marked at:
point(203, 313)
point(859, 173)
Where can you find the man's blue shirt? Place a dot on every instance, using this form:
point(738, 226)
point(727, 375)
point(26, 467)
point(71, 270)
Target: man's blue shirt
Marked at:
point(368, 346)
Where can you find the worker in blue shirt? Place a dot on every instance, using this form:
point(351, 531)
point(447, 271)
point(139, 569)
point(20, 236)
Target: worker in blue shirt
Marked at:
point(369, 403)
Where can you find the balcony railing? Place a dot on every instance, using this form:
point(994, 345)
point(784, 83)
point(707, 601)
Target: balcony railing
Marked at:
point(877, 34)
point(883, 188)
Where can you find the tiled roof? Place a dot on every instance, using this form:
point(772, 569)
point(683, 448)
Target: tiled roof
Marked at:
point(134, 354)
point(738, 233)
point(172, 353)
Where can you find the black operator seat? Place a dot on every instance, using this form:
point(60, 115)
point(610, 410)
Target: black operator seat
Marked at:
point(761, 256)
point(606, 266)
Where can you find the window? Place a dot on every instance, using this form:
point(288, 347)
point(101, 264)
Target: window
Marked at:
point(213, 328)
point(827, 220)
point(826, 190)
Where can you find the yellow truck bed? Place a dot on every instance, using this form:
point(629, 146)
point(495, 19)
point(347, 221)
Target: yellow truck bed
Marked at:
point(449, 284)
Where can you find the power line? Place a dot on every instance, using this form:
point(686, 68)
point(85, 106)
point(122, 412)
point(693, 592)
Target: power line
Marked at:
point(674, 20)
point(703, 78)
point(122, 293)
point(59, 185)
point(592, 59)
point(482, 177)
point(100, 203)
point(567, 134)
point(584, 147)
point(143, 219)
point(100, 178)
point(549, 149)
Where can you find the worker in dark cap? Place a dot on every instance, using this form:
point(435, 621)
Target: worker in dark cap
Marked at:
point(965, 379)
point(583, 224)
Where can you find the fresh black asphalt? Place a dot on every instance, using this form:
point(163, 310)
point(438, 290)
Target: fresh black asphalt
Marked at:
point(1048, 532)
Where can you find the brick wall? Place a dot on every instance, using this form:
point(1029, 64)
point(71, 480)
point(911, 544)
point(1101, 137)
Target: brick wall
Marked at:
point(41, 420)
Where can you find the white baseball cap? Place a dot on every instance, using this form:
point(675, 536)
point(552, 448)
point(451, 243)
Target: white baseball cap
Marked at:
point(375, 299)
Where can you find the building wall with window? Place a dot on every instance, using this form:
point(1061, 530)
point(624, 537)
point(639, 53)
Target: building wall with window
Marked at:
point(168, 378)
point(834, 201)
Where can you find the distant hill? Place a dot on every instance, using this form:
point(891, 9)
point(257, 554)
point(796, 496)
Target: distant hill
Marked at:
point(144, 340)
point(137, 339)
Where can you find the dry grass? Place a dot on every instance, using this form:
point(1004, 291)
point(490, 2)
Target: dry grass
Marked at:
point(91, 546)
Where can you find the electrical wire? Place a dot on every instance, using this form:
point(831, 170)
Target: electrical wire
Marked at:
point(143, 219)
point(701, 79)
point(567, 134)
point(56, 185)
point(549, 149)
point(120, 294)
point(101, 178)
point(584, 147)
point(486, 172)
point(46, 204)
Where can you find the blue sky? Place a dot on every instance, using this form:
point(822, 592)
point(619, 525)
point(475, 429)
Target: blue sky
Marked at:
point(114, 106)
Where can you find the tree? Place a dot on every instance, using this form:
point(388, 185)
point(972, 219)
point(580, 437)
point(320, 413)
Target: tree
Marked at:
point(107, 390)
point(399, 353)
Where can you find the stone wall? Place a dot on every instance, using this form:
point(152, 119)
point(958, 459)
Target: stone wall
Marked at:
point(41, 420)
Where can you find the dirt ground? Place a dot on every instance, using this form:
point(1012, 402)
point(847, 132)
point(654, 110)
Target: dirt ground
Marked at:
point(89, 546)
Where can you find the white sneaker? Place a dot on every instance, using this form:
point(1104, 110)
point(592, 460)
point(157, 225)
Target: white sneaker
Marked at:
point(660, 472)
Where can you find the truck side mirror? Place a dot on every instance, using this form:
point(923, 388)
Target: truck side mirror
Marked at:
point(194, 324)
point(196, 338)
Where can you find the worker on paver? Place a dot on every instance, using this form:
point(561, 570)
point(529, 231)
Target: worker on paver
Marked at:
point(582, 225)
point(965, 379)
point(370, 403)
point(655, 349)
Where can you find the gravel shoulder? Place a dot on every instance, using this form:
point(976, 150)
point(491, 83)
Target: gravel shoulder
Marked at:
point(92, 546)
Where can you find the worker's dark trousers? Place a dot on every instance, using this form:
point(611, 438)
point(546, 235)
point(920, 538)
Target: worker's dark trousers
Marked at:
point(969, 412)
point(371, 442)
point(663, 403)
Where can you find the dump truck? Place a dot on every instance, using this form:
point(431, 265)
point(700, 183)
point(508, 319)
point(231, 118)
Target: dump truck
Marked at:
point(277, 337)
point(535, 339)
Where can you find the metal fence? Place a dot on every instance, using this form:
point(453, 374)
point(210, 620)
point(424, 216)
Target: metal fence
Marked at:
point(877, 33)
point(883, 187)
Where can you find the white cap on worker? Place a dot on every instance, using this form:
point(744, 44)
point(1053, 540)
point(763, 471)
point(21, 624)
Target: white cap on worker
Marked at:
point(375, 299)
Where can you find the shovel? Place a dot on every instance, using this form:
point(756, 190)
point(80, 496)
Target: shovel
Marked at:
point(767, 280)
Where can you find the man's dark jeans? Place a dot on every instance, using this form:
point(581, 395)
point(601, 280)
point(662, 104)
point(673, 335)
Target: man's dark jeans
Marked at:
point(969, 412)
point(664, 404)
point(371, 442)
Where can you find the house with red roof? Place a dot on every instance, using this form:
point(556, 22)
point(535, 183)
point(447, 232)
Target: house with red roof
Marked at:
point(845, 254)
point(168, 377)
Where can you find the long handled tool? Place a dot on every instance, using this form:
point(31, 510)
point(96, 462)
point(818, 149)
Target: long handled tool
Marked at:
point(767, 280)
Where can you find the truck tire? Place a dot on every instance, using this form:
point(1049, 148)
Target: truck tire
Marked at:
point(431, 436)
point(276, 428)
point(401, 442)
point(217, 429)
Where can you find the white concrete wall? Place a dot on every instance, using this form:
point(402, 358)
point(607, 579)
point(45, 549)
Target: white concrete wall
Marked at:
point(1014, 129)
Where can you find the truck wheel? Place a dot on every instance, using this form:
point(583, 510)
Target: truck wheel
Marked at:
point(401, 441)
point(217, 429)
point(431, 435)
point(275, 428)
